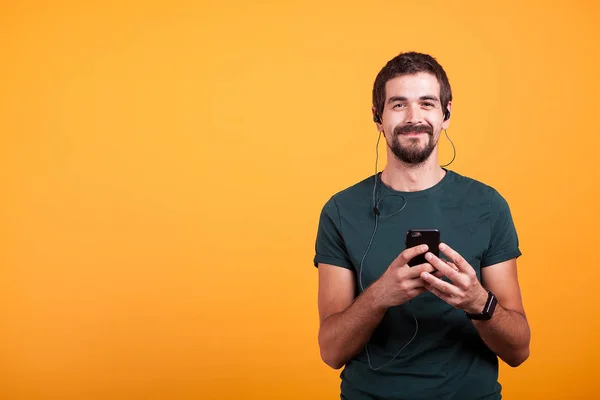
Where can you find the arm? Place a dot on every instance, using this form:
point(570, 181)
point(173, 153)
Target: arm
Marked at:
point(347, 321)
point(346, 324)
point(507, 334)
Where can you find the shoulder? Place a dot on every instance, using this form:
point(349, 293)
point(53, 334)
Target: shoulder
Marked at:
point(356, 194)
point(476, 189)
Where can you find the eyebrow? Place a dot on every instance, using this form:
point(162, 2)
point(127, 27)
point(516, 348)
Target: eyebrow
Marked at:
point(402, 98)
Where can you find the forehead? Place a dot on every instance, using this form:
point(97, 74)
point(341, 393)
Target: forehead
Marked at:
point(413, 86)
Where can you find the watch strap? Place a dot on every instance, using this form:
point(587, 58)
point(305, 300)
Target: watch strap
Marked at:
point(488, 309)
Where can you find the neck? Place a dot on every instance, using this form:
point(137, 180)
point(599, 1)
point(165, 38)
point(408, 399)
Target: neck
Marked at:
point(412, 178)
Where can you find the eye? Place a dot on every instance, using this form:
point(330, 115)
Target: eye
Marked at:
point(399, 105)
point(427, 104)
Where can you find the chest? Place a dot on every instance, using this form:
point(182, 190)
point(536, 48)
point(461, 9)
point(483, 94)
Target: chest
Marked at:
point(464, 225)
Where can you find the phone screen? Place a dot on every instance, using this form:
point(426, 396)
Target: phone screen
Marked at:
point(430, 237)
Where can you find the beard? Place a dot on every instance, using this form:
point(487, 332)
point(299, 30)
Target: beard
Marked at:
point(412, 152)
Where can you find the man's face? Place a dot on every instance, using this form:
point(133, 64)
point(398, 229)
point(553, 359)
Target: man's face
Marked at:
point(413, 117)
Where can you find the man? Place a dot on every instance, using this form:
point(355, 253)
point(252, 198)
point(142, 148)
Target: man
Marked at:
point(435, 330)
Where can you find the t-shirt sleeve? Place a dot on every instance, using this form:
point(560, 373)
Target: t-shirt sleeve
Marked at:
point(329, 246)
point(504, 241)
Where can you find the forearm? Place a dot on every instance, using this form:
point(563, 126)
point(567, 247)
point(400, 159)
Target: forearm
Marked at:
point(507, 334)
point(343, 335)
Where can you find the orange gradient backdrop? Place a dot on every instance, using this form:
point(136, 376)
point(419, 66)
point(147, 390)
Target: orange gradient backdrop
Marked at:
point(163, 167)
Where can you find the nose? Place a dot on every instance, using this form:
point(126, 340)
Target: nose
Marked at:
point(413, 115)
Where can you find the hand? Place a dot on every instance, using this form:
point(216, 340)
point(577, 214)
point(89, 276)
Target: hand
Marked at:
point(465, 292)
point(401, 283)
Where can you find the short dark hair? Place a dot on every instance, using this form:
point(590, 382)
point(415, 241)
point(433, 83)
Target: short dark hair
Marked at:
point(410, 63)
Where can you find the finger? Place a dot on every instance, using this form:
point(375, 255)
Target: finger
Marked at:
point(417, 291)
point(451, 264)
point(455, 258)
point(435, 292)
point(420, 282)
point(444, 268)
point(416, 282)
point(444, 259)
point(444, 288)
point(438, 274)
point(410, 253)
point(417, 270)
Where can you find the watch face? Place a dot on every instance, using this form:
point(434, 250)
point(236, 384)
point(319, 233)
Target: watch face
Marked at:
point(492, 305)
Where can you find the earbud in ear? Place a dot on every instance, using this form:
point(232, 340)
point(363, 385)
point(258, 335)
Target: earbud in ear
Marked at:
point(376, 119)
point(447, 115)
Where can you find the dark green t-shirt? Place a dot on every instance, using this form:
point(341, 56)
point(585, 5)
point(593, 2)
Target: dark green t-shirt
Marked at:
point(447, 358)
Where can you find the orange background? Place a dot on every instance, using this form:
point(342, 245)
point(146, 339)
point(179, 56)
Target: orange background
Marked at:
point(163, 166)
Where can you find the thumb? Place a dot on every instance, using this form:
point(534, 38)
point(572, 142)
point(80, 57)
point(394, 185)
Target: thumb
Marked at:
point(408, 254)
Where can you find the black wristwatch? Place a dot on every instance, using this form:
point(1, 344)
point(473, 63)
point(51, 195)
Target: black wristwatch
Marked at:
point(488, 309)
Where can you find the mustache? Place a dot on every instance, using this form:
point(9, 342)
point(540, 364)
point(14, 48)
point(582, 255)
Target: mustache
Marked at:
point(413, 128)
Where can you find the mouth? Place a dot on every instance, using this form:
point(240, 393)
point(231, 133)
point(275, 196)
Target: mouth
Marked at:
point(412, 133)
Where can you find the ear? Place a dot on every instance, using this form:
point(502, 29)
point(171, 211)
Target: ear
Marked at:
point(378, 124)
point(446, 123)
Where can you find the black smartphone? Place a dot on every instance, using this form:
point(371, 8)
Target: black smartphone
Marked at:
point(430, 237)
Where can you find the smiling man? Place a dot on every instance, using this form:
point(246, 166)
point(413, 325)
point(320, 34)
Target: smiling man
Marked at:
point(435, 330)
